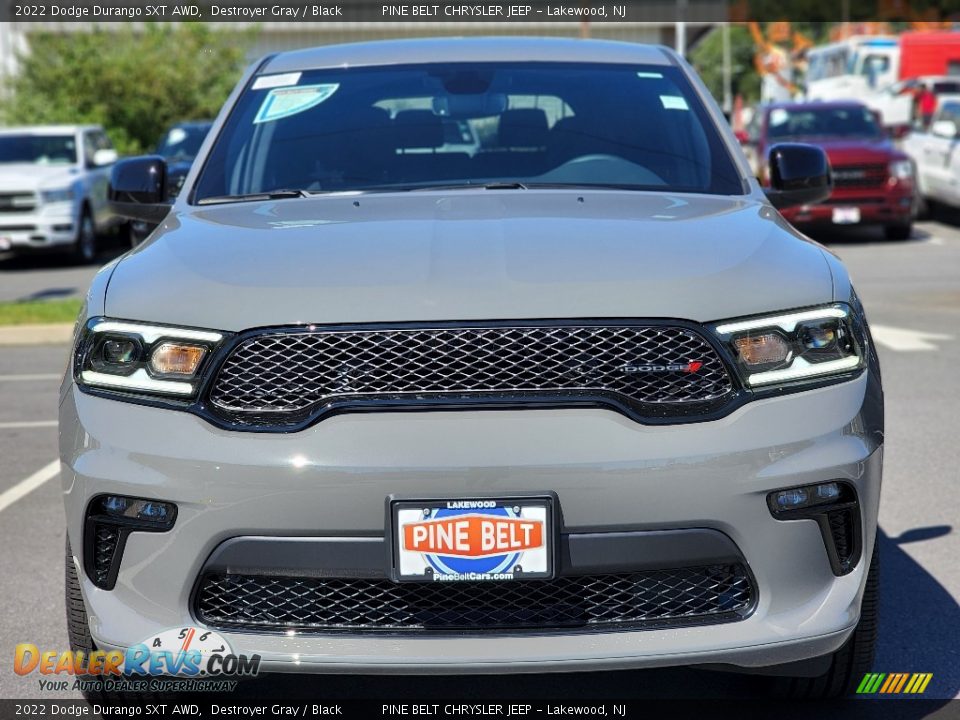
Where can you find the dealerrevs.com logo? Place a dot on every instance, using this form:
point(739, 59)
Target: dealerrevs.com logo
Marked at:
point(187, 658)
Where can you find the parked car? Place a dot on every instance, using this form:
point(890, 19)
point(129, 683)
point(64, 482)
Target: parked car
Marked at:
point(580, 401)
point(935, 153)
point(53, 189)
point(873, 181)
point(178, 148)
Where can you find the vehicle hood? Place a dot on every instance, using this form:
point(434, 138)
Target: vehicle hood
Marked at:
point(468, 255)
point(851, 151)
point(28, 176)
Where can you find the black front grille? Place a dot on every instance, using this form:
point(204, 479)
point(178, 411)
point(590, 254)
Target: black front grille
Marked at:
point(842, 529)
point(655, 598)
point(17, 202)
point(105, 541)
point(654, 370)
point(860, 176)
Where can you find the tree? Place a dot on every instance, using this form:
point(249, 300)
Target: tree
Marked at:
point(707, 58)
point(133, 81)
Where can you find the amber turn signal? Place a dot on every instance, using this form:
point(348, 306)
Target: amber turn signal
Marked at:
point(761, 349)
point(172, 358)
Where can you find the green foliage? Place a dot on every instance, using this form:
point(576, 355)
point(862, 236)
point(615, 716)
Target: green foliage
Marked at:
point(37, 312)
point(707, 58)
point(134, 81)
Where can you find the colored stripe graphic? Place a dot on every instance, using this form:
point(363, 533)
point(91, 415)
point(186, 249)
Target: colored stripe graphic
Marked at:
point(894, 683)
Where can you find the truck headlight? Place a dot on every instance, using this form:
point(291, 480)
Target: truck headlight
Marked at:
point(57, 195)
point(901, 169)
point(796, 346)
point(138, 358)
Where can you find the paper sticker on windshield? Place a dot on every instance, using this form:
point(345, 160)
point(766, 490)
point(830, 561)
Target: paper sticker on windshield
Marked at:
point(271, 81)
point(284, 102)
point(674, 102)
point(779, 116)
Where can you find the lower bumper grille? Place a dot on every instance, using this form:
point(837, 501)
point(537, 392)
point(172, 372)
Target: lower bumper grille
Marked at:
point(708, 594)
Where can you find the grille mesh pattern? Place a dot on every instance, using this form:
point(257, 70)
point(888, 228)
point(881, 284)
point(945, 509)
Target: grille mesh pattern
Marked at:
point(281, 377)
point(860, 176)
point(841, 527)
point(106, 538)
point(686, 595)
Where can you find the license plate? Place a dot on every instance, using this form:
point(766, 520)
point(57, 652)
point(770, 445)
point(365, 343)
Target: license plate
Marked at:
point(846, 215)
point(472, 539)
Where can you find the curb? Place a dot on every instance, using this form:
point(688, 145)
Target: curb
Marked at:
point(54, 334)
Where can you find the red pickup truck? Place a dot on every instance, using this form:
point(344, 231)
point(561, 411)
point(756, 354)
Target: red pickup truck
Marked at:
point(873, 181)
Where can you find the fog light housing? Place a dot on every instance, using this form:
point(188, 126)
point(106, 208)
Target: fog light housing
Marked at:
point(147, 510)
point(110, 520)
point(834, 507)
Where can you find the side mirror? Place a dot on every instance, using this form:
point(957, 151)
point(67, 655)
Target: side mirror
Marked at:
point(799, 175)
point(898, 132)
point(944, 129)
point(104, 157)
point(138, 189)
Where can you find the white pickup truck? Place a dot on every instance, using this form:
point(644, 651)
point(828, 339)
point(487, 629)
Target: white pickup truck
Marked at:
point(936, 152)
point(53, 189)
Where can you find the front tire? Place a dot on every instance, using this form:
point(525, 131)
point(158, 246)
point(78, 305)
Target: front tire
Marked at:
point(84, 249)
point(854, 659)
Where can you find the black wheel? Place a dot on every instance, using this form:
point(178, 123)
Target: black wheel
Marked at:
point(78, 630)
point(854, 659)
point(85, 246)
point(899, 231)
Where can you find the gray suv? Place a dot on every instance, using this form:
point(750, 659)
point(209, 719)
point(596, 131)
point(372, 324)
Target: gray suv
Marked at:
point(573, 396)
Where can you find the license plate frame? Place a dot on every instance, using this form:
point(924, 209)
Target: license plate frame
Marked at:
point(401, 511)
point(846, 215)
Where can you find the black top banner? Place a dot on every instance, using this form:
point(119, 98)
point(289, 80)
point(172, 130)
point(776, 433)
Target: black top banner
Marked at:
point(458, 11)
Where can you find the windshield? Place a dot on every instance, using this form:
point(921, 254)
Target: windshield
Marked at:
point(183, 142)
point(412, 127)
point(38, 149)
point(822, 122)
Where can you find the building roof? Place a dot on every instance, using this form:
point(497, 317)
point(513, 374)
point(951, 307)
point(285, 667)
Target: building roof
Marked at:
point(47, 129)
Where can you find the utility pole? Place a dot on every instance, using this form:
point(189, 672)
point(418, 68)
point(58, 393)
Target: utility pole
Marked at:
point(681, 28)
point(727, 72)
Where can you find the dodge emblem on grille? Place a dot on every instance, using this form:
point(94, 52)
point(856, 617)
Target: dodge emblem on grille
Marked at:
point(689, 367)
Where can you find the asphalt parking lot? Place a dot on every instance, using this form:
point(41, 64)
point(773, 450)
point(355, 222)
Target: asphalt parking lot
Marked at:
point(911, 291)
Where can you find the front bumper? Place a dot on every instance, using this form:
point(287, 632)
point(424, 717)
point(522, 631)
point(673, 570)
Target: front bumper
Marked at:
point(875, 209)
point(52, 226)
point(610, 474)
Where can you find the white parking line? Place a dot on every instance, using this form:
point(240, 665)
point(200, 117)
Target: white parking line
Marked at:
point(29, 378)
point(27, 424)
point(904, 340)
point(28, 485)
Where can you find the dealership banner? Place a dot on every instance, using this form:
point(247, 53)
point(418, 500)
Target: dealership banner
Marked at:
point(523, 11)
point(194, 708)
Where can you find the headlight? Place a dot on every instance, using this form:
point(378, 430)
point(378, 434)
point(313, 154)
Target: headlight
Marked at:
point(796, 346)
point(901, 169)
point(55, 196)
point(139, 358)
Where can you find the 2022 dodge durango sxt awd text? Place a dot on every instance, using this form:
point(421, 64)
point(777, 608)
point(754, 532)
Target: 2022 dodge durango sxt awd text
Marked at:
point(569, 396)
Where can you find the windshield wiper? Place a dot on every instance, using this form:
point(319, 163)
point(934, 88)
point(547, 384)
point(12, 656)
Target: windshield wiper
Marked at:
point(252, 197)
point(504, 185)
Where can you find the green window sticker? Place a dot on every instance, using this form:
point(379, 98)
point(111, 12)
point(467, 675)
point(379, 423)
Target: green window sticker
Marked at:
point(284, 102)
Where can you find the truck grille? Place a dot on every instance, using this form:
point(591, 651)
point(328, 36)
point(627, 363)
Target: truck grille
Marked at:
point(860, 176)
point(17, 202)
point(680, 596)
point(279, 378)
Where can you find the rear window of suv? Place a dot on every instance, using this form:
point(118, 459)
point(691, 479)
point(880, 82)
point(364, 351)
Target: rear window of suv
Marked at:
point(418, 126)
